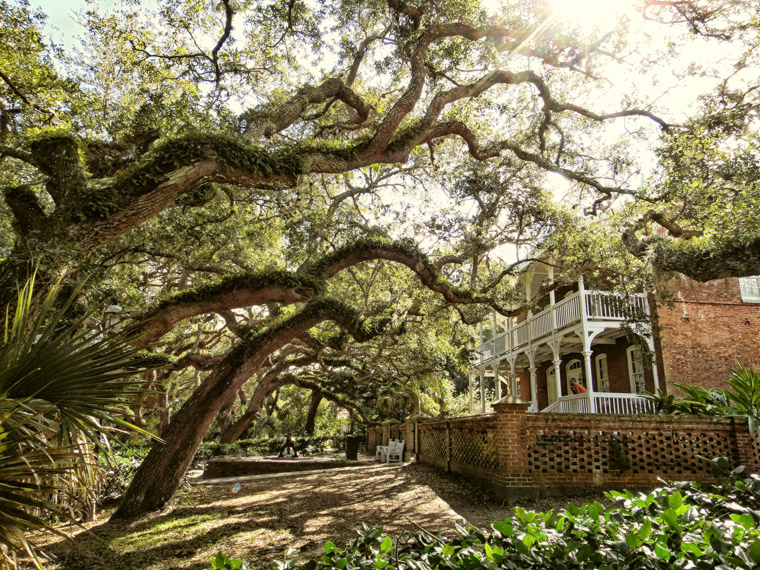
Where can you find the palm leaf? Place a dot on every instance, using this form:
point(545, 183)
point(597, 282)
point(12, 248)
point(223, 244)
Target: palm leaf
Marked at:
point(62, 384)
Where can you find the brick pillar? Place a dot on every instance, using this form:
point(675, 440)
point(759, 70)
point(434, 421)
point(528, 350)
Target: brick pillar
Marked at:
point(515, 480)
point(417, 440)
point(386, 432)
point(409, 438)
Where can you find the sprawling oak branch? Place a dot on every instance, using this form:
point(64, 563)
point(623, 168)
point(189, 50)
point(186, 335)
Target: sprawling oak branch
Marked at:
point(266, 124)
point(234, 291)
point(701, 261)
point(161, 473)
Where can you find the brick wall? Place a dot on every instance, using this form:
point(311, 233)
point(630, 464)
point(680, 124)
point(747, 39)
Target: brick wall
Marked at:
point(381, 435)
point(519, 454)
point(705, 331)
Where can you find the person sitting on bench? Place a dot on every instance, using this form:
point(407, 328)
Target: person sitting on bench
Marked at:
point(289, 444)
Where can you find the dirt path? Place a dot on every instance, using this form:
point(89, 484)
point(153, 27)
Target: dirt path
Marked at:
point(265, 517)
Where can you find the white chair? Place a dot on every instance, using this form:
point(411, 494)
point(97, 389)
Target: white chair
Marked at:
point(395, 454)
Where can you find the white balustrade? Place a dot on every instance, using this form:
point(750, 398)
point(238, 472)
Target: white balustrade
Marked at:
point(522, 332)
point(617, 403)
point(500, 343)
point(541, 324)
point(602, 305)
point(573, 404)
point(604, 403)
point(567, 311)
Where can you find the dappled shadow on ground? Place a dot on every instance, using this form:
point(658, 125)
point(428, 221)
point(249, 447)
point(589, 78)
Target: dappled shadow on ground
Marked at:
point(264, 518)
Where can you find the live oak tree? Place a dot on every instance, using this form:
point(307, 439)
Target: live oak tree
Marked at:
point(226, 139)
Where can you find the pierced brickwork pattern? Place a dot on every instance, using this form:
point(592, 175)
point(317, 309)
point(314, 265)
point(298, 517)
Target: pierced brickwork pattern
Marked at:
point(433, 442)
point(632, 452)
point(474, 445)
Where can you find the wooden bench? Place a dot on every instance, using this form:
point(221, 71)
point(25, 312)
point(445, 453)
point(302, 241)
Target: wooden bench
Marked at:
point(391, 453)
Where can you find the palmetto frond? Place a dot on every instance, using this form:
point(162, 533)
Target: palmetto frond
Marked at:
point(62, 385)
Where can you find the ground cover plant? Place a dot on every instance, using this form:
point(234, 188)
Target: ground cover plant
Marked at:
point(681, 525)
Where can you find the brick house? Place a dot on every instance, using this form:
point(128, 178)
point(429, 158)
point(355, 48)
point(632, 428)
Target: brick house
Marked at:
point(604, 342)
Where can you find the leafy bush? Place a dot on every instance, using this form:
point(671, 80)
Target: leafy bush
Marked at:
point(740, 399)
point(118, 468)
point(264, 446)
point(684, 525)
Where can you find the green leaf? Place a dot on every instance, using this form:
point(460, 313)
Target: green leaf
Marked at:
point(386, 545)
point(662, 552)
point(671, 518)
point(692, 548)
point(754, 552)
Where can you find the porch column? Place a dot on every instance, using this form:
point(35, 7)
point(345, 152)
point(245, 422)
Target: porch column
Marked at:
point(586, 345)
point(482, 391)
point(558, 376)
point(552, 301)
point(589, 381)
point(496, 382)
point(533, 388)
point(470, 378)
point(655, 377)
point(513, 376)
point(493, 337)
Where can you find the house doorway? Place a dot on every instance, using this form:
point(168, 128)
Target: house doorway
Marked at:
point(574, 374)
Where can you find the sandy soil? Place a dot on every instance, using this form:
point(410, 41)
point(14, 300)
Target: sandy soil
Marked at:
point(261, 519)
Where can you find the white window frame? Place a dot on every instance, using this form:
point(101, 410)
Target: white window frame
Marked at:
point(602, 373)
point(750, 289)
point(633, 353)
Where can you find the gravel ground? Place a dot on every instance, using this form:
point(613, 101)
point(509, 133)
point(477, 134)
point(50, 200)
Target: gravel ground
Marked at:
point(264, 517)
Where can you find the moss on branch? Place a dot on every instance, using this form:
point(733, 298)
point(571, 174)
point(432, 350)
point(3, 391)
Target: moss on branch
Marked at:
point(231, 283)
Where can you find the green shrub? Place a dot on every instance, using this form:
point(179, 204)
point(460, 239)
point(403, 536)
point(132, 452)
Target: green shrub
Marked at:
point(740, 399)
point(264, 446)
point(684, 525)
point(118, 468)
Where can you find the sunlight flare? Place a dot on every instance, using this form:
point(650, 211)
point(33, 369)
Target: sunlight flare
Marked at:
point(589, 15)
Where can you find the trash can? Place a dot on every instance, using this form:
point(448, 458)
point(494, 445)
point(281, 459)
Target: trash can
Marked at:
point(352, 447)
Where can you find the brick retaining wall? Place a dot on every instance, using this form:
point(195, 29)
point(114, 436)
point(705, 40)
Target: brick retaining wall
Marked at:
point(517, 453)
point(237, 467)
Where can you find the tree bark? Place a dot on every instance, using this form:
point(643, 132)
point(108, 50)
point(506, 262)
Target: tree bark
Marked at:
point(311, 417)
point(235, 429)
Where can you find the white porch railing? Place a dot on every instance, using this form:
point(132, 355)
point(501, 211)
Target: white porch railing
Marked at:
point(600, 306)
point(604, 403)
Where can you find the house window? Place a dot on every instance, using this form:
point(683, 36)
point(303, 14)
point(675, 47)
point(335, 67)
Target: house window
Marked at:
point(602, 376)
point(750, 288)
point(574, 374)
point(636, 369)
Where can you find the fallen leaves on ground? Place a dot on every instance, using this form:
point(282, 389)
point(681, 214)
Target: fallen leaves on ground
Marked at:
point(266, 517)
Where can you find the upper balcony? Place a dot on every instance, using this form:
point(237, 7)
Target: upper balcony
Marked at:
point(598, 308)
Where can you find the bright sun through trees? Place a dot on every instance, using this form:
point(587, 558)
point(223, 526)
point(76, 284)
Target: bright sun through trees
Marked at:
point(589, 15)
